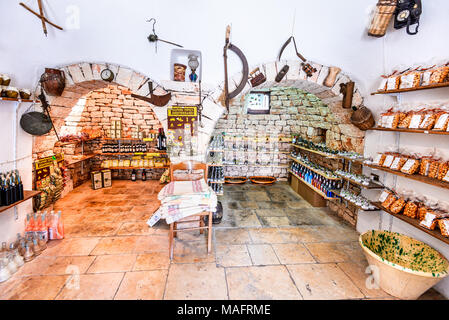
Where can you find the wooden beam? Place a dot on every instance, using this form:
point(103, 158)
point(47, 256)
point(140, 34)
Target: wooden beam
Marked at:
point(40, 16)
point(41, 11)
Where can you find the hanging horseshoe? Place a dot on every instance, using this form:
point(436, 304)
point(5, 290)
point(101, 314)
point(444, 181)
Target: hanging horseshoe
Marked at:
point(245, 71)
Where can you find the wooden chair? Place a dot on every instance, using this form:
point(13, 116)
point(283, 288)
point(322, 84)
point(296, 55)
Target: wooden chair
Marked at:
point(190, 165)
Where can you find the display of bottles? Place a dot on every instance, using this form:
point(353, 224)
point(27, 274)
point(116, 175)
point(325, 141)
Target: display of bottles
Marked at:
point(217, 187)
point(215, 174)
point(319, 182)
point(161, 140)
point(124, 147)
point(11, 188)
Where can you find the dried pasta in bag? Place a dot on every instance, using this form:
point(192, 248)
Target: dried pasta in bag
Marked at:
point(389, 201)
point(430, 220)
point(439, 75)
point(416, 120)
point(379, 159)
point(393, 82)
point(397, 206)
point(441, 121)
point(410, 210)
point(388, 161)
point(442, 170)
point(443, 224)
point(422, 210)
point(383, 84)
point(405, 122)
point(410, 79)
point(425, 166)
point(398, 162)
point(411, 166)
point(434, 166)
point(428, 121)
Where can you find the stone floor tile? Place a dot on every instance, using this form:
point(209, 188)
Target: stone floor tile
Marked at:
point(275, 221)
point(100, 286)
point(325, 252)
point(261, 283)
point(142, 285)
point(72, 247)
point(36, 288)
point(262, 254)
point(151, 243)
point(69, 265)
point(300, 234)
point(192, 252)
point(292, 253)
point(152, 261)
point(37, 266)
point(115, 245)
point(112, 263)
point(323, 282)
point(232, 255)
point(265, 235)
point(196, 281)
point(232, 235)
point(134, 229)
point(257, 196)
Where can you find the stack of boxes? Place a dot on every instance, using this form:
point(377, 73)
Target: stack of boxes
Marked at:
point(101, 179)
point(116, 129)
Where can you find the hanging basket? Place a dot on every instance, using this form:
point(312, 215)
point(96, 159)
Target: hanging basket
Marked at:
point(382, 16)
point(362, 118)
point(262, 179)
point(235, 180)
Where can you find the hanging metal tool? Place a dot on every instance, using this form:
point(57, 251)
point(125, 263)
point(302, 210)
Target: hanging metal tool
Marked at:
point(245, 72)
point(154, 99)
point(154, 38)
point(306, 67)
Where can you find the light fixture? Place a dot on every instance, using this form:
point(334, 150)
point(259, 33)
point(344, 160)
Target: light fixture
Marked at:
point(193, 65)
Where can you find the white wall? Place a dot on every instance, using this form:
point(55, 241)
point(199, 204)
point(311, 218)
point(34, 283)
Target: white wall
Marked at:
point(327, 31)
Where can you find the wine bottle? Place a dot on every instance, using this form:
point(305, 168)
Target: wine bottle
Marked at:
point(19, 185)
point(13, 188)
point(161, 140)
point(144, 175)
point(8, 196)
point(133, 175)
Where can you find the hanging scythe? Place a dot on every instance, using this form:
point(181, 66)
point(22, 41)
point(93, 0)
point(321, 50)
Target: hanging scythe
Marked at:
point(154, 99)
point(245, 71)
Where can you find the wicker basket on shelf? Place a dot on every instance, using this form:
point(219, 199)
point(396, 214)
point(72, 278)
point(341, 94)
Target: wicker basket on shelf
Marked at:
point(262, 179)
point(235, 180)
point(362, 118)
point(384, 11)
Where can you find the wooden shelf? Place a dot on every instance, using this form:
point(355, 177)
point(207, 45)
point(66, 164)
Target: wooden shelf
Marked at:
point(129, 153)
point(136, 168)
point(371, 185)
point(27, 194)
point(412, 131)
point(313, 169)
point(266, 152)
point(256, 165)
point(215, 165)
point(327, 155)
point(18, 100)
point(417, 177)
point(432, 86)
point(414, 222)
point(337, 192)
point(321, 193)
point(216, 182)
point(71, 162)
point(65, 143)
point(123, 139)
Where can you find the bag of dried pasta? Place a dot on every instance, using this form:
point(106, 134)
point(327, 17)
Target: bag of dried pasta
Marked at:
point(393, 81)
point(398, 162)
point(441, 121)
point(443, 224)
point(426, 74)
point(430, 219)
point(424, 168)
point(410, 79)
point(379, 159)
point(387, 198)
point(416, 119)
point(383, 83)
point(411, 166)
point(443, 170)
point(398, 205)
point(405, 122)
point(439, 74)
point(428, 121)
point(389, 158)
point(434, 166)
point(411, 209)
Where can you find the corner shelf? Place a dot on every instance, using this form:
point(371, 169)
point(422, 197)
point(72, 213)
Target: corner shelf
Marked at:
point(411, 131)
point(413, 222)
point(321, 193)
point(18, 100)
point(432, 86)
point(327, 155)
point(337, 192)
point(135, 168)
point(371, 185)
point(416, 177)
point(313, 169)
point(27, 194)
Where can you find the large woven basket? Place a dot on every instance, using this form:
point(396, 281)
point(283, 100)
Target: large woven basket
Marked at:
point(362, 118)
point(382, 17)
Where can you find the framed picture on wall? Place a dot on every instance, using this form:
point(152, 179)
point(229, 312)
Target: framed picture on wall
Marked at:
point(258, 102)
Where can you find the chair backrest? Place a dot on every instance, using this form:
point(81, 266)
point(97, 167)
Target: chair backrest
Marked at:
point(188, 165)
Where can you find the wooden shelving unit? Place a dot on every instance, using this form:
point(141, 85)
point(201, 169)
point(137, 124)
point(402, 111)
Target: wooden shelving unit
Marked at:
point(313, 169)
point(312, 187)
point(414, 222)
point(65, 143)
point(256, 165)
point(136, 168)
point(337, 192)
point(71, 162)
point(327, 155)
point(18, 100)
point(416, 177)
point(432, 86)
point(130, 153)
point(411, 131)
point(27, 194)
point(372, 185)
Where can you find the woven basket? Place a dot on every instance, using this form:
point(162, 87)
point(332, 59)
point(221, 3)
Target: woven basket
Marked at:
point(235, 180)
point(382, 17)
point(262, 179)
point(362, 118)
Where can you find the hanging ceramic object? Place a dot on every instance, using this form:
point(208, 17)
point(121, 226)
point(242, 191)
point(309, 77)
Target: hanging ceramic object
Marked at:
point(53, 81)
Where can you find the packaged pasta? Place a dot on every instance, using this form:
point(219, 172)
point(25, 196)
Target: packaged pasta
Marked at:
point(389, 200)
point(441, 121)
point(411, 166)
point(398, 162)
point(430, 220)
point(379, 159)
point(410, 209)
point(425, 166)
point(388, 161)
point(443, 170)
point(428, 121)
point(393, 82)
point(383, 84)
point(434, 166)
point(410, 79)
point(405, 122)
point(422, 210)
point(416, 119)
point(426, 74)
point(397, 206)
point(443, 224)
point(439, 75)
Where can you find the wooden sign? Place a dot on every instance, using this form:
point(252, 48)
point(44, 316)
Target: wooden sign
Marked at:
point(43, 165)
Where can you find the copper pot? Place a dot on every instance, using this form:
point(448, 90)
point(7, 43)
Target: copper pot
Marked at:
point(53, 81)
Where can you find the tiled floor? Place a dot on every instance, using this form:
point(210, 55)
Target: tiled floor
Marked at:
point(270, 245)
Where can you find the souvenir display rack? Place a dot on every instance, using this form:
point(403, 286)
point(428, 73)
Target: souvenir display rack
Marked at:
point(431, 86)
point(316, 190)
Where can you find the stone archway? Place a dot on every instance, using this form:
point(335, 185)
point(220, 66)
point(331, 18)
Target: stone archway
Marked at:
point(340, 133)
